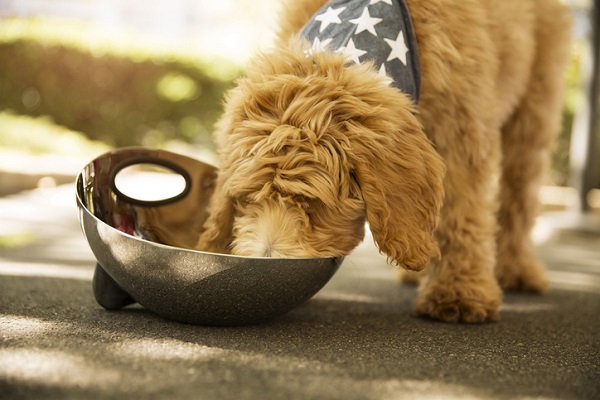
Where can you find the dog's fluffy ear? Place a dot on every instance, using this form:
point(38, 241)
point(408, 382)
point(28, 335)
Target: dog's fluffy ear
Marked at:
point(401, 180)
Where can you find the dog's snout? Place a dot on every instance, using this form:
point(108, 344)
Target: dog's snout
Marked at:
point(250, 248)
point(271, 229)
point(269, 251)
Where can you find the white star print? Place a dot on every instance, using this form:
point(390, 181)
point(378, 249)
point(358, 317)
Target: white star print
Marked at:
point(340, 28)
point(351, 52)
point(365, 22)
point(319, 45)
point(399, 48)
point(329, 17)
point(384, 76)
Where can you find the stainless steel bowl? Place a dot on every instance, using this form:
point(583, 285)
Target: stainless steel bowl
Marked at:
point(144, 249)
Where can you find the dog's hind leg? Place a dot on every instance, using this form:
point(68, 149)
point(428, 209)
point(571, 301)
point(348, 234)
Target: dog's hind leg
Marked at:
point(526, 142)
point(458, 111)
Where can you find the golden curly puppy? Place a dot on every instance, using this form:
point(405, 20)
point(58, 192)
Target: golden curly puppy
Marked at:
point(313, 145)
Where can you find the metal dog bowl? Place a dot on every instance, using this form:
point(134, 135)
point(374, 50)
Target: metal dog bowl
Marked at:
point(144, 248)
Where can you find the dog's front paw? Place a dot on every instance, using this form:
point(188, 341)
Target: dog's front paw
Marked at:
point(465, 302)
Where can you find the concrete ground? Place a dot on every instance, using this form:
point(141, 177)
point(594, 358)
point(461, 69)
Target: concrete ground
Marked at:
point(356, 339)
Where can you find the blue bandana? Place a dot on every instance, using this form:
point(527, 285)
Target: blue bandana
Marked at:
point(378, 30)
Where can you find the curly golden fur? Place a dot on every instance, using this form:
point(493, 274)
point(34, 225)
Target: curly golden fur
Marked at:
point(311, 148)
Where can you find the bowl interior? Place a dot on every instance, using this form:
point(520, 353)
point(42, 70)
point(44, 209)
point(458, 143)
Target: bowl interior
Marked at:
point(104, 186)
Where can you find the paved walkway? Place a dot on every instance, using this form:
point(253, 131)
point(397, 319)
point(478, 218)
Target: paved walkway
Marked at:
point(357, 339)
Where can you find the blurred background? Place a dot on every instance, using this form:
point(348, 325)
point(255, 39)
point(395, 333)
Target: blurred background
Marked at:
point(78, 77)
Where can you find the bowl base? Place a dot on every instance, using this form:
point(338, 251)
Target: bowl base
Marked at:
point(107, 292)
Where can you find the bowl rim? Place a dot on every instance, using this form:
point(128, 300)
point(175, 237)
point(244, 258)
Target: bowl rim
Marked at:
point(82, 206)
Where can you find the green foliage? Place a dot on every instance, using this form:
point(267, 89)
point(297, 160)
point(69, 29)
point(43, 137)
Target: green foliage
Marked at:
point(559, 161)
point(121, 95)
point(573, 99)
point(16, 240)
point(117, 89)
point(40, 135)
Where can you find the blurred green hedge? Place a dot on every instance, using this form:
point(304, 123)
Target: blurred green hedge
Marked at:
point(559, 173)
point(123, 94)
point(119, 98)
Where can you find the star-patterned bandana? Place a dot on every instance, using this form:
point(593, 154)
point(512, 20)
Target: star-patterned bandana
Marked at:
point(378, 30)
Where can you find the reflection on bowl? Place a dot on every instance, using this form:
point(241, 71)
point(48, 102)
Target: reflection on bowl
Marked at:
point(144, 247)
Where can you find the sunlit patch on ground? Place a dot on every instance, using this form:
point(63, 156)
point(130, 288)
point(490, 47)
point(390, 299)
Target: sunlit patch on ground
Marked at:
point(12, 326)
point(578, 281)
point(53, 368)
point(527, 308)
point(8, 268)
point(165, 349)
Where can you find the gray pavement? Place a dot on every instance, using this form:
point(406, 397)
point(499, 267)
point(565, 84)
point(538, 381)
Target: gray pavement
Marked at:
point(356, 339)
